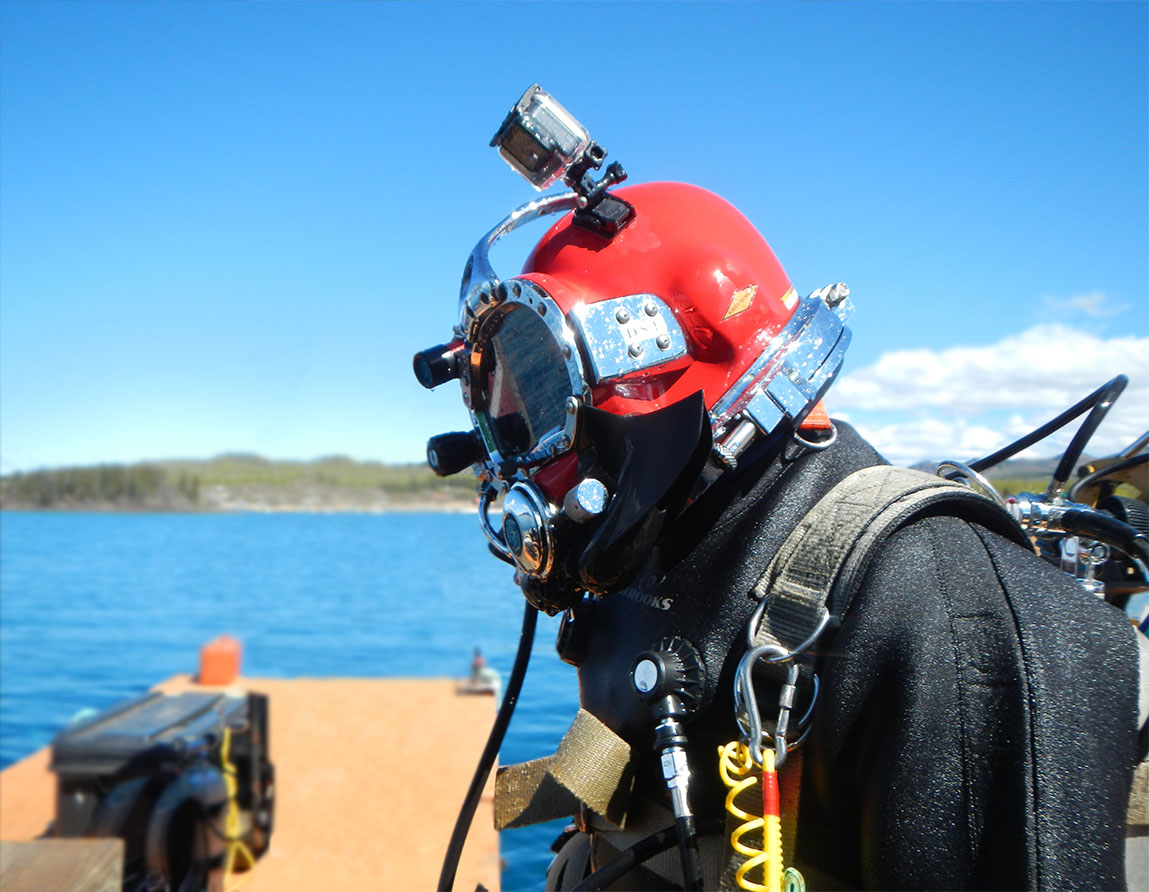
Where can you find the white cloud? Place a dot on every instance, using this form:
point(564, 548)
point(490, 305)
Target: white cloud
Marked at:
point(1095, 304)
point(963, 402)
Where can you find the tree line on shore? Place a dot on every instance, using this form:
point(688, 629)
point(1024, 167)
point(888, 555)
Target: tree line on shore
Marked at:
point(189, 485)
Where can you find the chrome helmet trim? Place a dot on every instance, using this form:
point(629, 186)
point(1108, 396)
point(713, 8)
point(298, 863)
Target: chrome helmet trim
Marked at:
point(793, 370)
point(528, 529)
point(480, 285)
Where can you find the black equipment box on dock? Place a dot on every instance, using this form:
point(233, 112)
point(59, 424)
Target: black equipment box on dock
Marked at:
point(152, 728)
point(160, 770)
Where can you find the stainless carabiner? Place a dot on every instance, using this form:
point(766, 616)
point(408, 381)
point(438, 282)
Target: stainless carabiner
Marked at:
point(746, 704)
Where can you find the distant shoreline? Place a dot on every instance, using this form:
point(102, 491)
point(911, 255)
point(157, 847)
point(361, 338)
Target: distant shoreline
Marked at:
point(421, 507)
point(230, 484)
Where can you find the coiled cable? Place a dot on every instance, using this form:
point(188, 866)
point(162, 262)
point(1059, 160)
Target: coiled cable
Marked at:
point(736, 767)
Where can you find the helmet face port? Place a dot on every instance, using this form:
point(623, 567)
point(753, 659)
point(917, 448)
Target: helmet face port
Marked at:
point(523, 383)
point(523, 370)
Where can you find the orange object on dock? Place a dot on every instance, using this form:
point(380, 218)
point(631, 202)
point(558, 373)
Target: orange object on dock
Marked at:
point(219, 661)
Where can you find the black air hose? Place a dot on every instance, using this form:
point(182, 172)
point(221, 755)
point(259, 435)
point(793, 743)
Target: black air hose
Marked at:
point(1105, 399)
point(1131, 511)
point(490, 752)
point(1109, 530)
point(1104, 394)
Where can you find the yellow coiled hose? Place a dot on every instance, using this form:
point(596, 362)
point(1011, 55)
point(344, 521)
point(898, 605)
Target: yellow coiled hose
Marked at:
point(737, 769)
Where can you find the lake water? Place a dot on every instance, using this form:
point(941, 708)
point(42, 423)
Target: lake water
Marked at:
point(95, 608)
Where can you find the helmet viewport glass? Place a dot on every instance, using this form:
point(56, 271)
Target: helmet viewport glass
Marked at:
point(525, 383)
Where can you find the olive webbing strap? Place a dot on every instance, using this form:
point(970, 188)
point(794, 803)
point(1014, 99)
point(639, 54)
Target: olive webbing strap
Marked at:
point(591, 767)
point(789, 786)
point(827, 553)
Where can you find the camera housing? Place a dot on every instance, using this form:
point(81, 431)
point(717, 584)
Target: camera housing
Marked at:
point(540, 139)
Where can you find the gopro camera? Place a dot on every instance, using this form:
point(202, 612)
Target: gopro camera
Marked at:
point(540, 139)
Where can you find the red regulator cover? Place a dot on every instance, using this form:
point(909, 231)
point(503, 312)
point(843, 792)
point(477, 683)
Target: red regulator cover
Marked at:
point(706, 262)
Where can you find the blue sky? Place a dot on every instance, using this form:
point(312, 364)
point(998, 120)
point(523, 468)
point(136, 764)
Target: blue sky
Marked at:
point(227, 227)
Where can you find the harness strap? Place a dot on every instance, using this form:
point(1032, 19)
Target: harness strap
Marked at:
point(591, 767)
point(823, 560)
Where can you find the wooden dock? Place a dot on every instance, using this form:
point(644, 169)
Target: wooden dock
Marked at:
point(370, 774)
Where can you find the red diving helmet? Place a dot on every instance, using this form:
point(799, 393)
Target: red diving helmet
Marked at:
point(624, 370)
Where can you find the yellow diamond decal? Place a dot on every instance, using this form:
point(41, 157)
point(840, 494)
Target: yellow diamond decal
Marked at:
point(740, 301)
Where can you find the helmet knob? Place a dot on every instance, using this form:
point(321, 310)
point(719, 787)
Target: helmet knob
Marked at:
point(448, 454)
point(585, 501)
point(670, 677)
point(438, 365)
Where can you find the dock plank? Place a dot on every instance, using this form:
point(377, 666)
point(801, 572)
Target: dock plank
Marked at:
point(62, 865)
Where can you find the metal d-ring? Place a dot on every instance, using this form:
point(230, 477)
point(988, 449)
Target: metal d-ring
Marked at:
point(817, 445)
point(756, 621)
point(955, 470)
point(746, 703)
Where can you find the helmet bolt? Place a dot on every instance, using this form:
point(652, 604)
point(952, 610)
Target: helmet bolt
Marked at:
point(663, 342)
point(651, 310)
point(622, 316)
point(836, 294)
point(635, 350)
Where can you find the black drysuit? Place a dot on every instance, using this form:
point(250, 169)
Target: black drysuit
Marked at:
point(977, 722)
